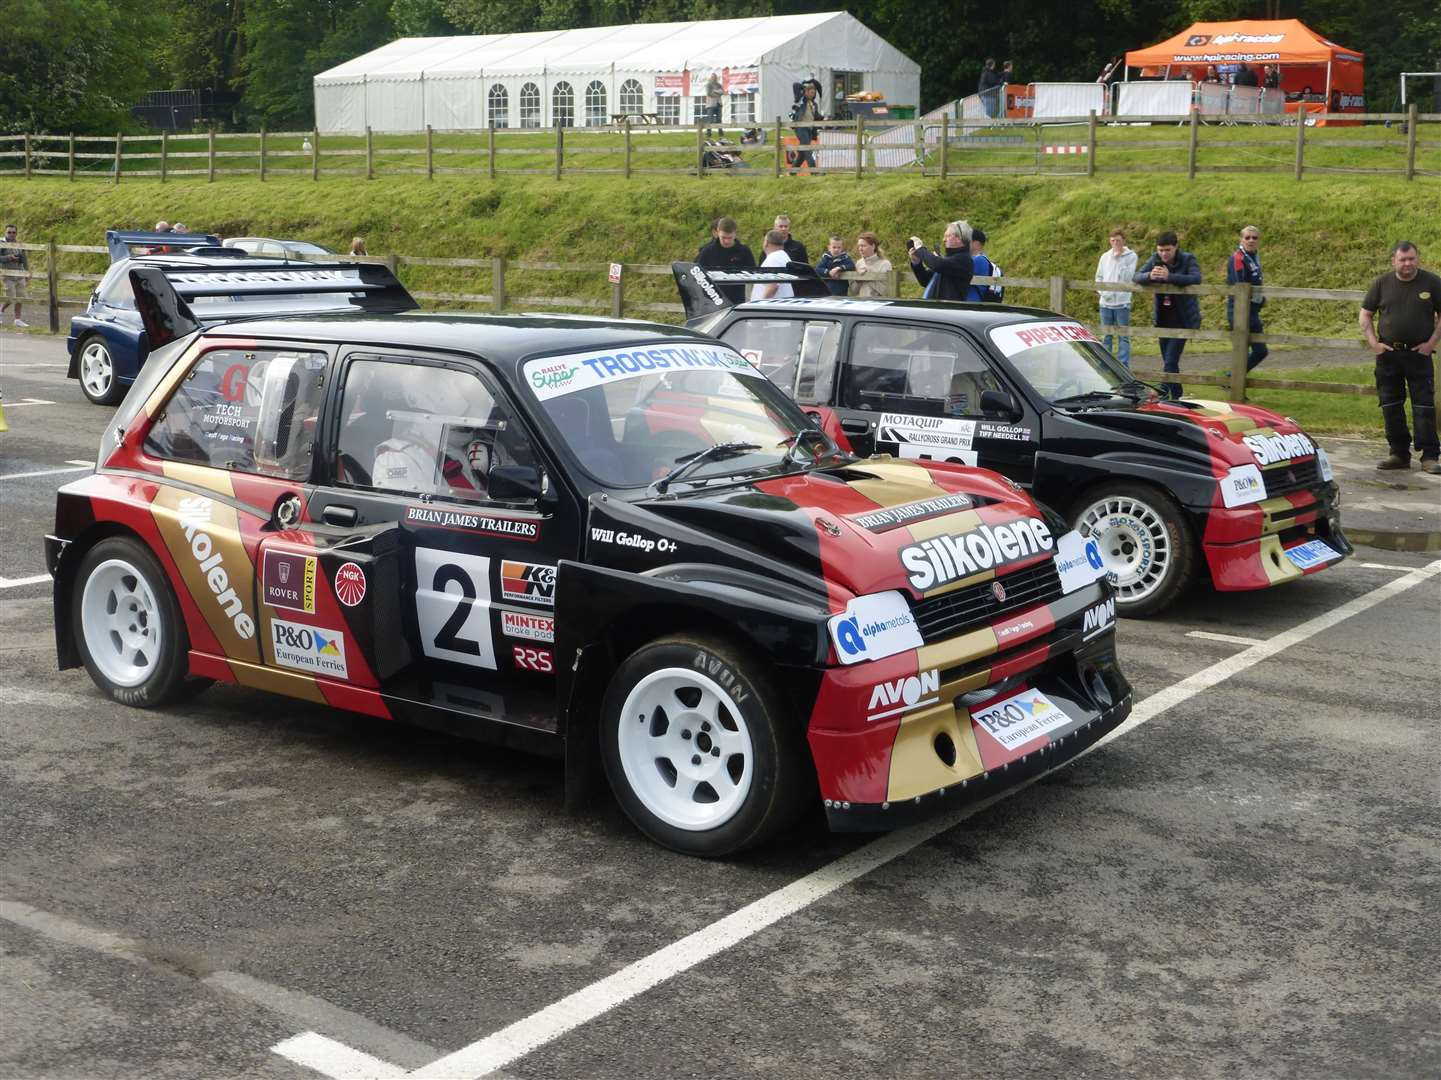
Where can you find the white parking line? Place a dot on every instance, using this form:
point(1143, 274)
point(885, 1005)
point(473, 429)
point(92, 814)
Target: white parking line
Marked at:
point(1384, 566)
point(27, 401)
point(483, 1057)
point(15, 583)
point(1230, 639)
point(76, 463)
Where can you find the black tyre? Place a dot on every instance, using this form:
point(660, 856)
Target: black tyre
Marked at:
point(698, 749)
point(1146, 543)
point(96, 368)
point(128, 626)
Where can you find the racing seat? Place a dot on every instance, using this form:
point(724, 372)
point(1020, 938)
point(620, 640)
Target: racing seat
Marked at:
point(592, 440)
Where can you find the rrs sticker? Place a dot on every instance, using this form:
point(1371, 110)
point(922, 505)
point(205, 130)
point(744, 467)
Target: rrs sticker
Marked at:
point(529, 659)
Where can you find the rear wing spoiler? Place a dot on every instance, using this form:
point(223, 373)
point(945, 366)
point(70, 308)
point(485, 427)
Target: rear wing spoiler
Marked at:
point(177, 300)
point(699, 294)
point(119, 242)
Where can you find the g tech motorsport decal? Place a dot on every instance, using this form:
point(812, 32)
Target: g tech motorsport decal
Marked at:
point(903, 695)
point(1020, 719)
point(1269, 449)
point(555, 376)
point(527, 583)
point(288, 581)
point(462, 521)
point(350, 584)
point(931, 434)
point(893, 517)
point(945, 559)
point(874, 626)
point(203, 538)
point(1018, 337)
point(522, 624)
point(308, 648)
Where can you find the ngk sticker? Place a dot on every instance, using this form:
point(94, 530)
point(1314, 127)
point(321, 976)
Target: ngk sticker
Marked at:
point(350, 584)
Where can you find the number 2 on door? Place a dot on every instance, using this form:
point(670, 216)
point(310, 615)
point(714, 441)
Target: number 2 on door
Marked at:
point(452, 606)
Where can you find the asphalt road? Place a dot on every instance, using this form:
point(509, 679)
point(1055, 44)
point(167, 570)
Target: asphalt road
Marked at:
point(1242, 883)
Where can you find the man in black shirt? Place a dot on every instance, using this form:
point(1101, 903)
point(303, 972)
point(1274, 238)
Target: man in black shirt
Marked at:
point(795, 250)
point(1404, 338)
point(725, 252)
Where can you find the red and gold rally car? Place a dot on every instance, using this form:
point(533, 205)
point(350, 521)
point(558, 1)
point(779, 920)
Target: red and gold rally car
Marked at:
point(611, 542)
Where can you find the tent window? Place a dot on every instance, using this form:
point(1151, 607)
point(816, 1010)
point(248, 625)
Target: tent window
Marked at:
point(632, 97)
point(743, 109)
point(562, 105)
point(499, 113)
point(668, 109)
point(530, 106)
point(595, 104)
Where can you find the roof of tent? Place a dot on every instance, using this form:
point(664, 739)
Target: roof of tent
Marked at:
point(1246, 41)
point(786, 39)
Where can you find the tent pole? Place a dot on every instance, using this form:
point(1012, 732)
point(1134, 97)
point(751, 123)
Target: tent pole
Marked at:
point(1326, 105)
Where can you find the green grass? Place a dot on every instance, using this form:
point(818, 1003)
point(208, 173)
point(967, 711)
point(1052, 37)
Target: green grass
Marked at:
point(1326, 414)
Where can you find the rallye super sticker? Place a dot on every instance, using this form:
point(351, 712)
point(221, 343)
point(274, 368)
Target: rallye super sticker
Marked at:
point(555, 376)
point(947, 558)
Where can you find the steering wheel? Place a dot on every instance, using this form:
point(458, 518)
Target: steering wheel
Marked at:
point(1058, 393)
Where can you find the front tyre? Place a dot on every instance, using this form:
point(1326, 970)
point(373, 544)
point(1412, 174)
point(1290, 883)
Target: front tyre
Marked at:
point(1145, 542)
point(697, 747)
point(97, 372)
point(128, 625)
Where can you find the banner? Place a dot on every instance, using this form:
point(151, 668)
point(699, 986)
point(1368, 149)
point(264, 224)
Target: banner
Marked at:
point(741, 80)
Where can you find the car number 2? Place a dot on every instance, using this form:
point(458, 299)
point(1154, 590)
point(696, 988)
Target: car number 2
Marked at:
point(452, 607)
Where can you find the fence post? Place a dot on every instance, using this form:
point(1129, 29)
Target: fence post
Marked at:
point(918, 133)
point(1300, 139)
point(392, 263)
point(627, 146)
point(52, 285)
point(262, 154)
point(26, 148)
point(559, 147)
point(1091, 145)
point(315, 154)
point(1191, 148)
point(617, 296)
point(164, 151)
point(490, 150)
point(699, 149)
point(119, 149)
point(1411, 141)
point(70, 163)
point(780, 150)
point(210, 158)
point(497, 283)
point(369, 153)
point(860, 146)
point(893, 282)
point(945, 144)
point(1240, 338)
point(1058, 294)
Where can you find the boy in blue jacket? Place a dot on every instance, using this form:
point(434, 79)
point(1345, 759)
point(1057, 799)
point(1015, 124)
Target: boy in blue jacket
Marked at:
point(1172, 266)
point(832, 263)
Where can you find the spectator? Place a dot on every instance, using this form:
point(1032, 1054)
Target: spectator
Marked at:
point(776, 257)
point(1008, 74)
point(1408, 301)
point(1117, 263)
point(794, 248)
point(806, 111)
point(833, 263)
point(947, 274)
point(981, 266)
point(725, 252)
point(1245, 76)
point(713, 94)
point(14, 260)
point(872, 261)
point(1172, 266)
point(1245, 266)
point(163, 226)
point(989, 86)
point(181, 229)
point(1271, 77)
point(357, 246)
point(1211, 75)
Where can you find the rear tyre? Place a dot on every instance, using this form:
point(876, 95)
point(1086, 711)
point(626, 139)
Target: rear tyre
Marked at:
point(97, 372)
point(1146, 544)
point(128, 626)
point(698, 750)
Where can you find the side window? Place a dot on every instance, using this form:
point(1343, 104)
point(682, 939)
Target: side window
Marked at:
point(424, 430)
point(797, 355)
point(914, 369)
point(246, 411)
point(116, 290)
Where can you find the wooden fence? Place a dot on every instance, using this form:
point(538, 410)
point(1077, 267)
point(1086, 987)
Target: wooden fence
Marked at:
point(938, 147)
point(617, 305)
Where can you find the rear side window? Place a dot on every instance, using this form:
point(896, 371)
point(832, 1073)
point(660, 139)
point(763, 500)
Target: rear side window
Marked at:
point(798, 355)
point(248, 411)
point(916, 369)
point(116, 290)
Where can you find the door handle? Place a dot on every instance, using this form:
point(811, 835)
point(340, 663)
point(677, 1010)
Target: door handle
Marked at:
point(855, 427)
point(339, 515)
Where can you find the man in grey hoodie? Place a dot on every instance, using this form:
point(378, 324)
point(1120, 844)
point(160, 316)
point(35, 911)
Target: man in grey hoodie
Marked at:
point(1117, 263)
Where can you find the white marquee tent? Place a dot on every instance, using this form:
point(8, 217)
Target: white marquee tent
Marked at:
point(584, 77)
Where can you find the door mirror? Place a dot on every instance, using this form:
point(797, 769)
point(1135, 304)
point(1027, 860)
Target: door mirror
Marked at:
point(999, 403)
point(517, 483)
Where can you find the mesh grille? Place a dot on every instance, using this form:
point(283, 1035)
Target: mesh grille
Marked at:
point(1285, 478)
point(955, 612)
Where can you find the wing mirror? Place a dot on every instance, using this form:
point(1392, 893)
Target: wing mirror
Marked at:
point(999, 403)
point(518, 483)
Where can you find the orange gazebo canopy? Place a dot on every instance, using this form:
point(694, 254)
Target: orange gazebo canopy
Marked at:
point(1244, 41)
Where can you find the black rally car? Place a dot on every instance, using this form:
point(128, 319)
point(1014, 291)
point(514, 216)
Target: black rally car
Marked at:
point(1171, 490)
point(587, 538)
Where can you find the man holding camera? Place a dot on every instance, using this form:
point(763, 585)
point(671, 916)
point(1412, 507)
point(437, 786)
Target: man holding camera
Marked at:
point(946, 274)
point(806, 111)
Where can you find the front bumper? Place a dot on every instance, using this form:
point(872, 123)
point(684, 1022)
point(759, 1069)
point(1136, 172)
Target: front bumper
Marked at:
point(1245, 547)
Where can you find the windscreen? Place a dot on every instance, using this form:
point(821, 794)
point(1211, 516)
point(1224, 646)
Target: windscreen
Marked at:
point(634, 415)
point(1059, 359)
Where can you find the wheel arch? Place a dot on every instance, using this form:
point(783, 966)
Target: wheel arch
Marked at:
point(71, 556)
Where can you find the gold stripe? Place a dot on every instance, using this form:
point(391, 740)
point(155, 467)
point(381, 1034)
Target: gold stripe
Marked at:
point(916, 767)
point(1274, 562)
point(216, 480)
point(962, 521)
point(289, 683)
point(965, 649)
point(896, 482)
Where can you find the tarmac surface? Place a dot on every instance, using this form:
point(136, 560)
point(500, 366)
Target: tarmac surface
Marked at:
point(1242, 882)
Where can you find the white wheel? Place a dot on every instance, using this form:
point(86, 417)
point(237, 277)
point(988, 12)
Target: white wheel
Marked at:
point(97, 372)
point(120, 619)
point(686, 753)
point(1145, 544)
